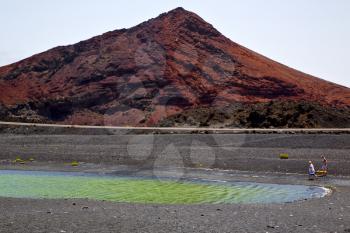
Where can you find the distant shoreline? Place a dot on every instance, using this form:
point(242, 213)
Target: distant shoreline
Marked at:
point(22, 127)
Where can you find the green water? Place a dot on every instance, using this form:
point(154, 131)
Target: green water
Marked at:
point(59, 185)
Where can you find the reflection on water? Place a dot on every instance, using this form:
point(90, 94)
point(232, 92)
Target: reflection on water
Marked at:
point(55, 185)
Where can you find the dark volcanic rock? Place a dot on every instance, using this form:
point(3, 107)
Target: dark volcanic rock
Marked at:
point(173, 64)
point(275, 114)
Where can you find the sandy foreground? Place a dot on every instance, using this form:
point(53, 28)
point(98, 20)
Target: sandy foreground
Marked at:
point(225, 157)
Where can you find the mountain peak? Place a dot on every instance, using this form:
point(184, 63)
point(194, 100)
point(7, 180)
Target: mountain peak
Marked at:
point(181, 13)
point(181, 20)
point(178, 10)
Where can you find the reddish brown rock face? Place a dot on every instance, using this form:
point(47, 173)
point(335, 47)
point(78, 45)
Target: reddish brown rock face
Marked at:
point(144, 74)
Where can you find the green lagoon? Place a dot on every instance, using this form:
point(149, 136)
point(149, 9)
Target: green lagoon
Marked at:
point(63, 185)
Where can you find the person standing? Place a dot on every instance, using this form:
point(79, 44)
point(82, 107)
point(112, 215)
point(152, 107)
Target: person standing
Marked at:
point(324, 164)
point(311, 171)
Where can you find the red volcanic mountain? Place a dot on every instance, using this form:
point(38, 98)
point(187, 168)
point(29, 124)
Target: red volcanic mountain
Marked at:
point(175, 69)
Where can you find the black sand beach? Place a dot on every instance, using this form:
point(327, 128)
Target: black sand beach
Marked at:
point(236, 157)
point(245, 152)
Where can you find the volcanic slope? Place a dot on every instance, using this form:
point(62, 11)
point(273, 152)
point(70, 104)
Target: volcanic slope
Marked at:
point(175, 69)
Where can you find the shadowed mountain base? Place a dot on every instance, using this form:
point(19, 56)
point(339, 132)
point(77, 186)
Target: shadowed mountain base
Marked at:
point(264, 115)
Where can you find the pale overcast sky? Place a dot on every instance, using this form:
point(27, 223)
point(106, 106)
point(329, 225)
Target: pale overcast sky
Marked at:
point(310, 35)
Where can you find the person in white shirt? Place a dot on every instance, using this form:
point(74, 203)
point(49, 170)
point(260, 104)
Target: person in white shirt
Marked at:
point(324, 164)
point(311, 171)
